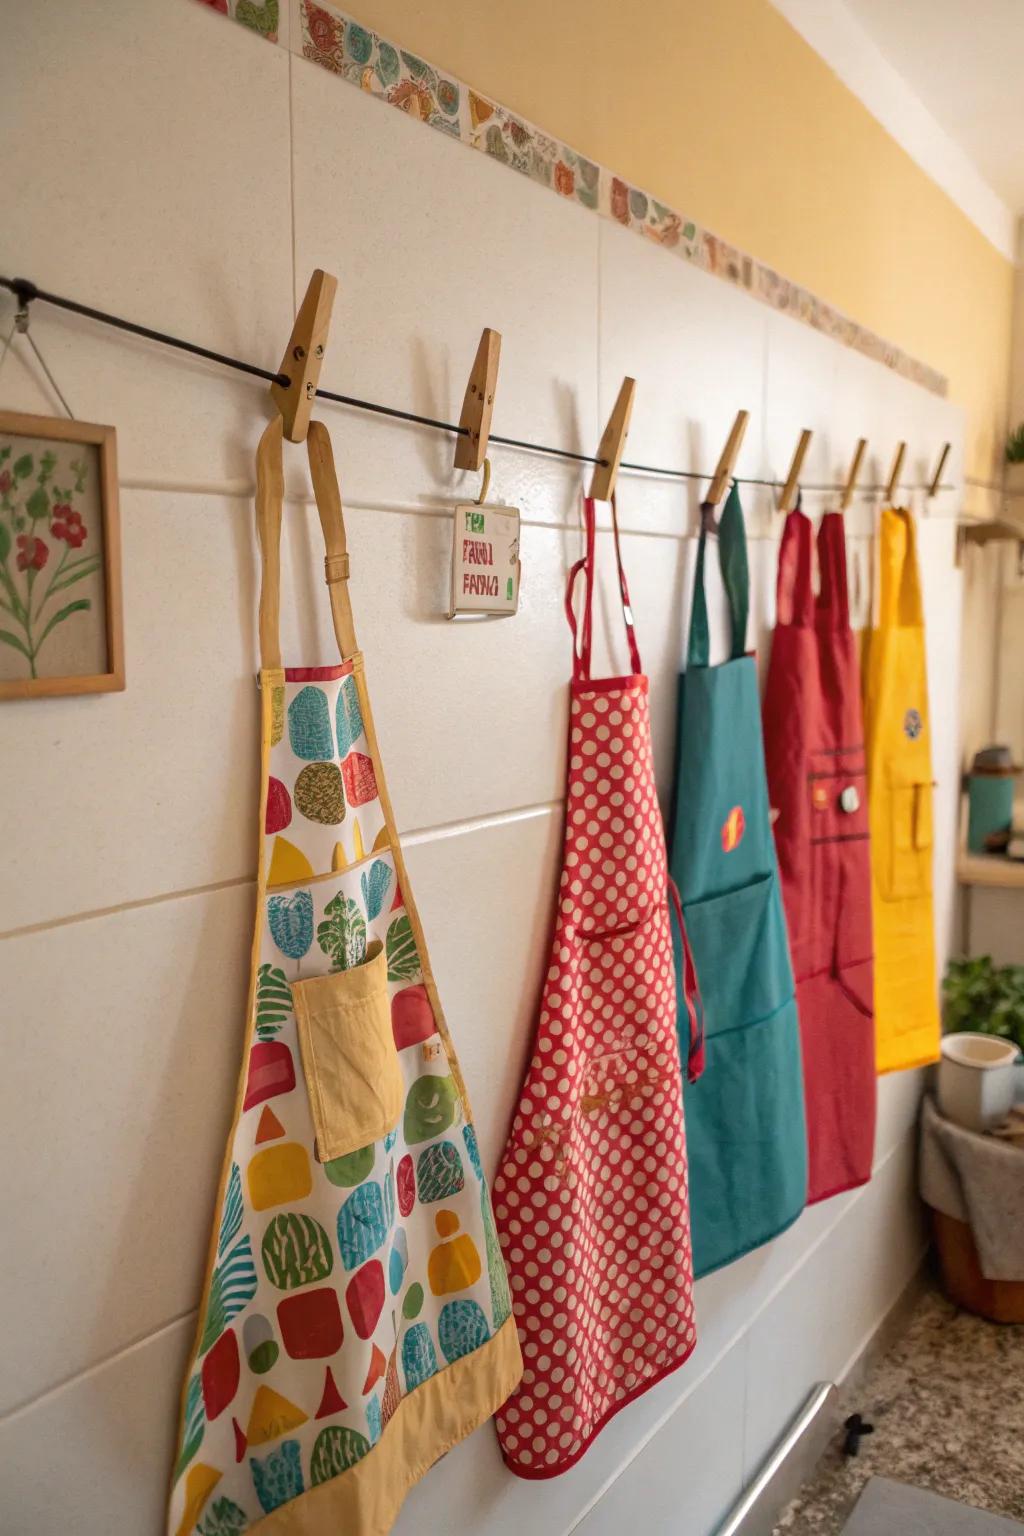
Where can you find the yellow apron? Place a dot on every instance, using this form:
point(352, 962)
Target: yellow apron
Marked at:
point(900, 809)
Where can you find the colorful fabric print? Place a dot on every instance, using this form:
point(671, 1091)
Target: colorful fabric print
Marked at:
point(326, 1300)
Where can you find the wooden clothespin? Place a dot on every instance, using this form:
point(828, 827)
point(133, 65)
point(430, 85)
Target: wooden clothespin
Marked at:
point(612, 445)
point(792, 479)
point(936, 480)
point(723, 474)
point(851, 479)
point(894, 474)
point(478, 408)
point(305, 355)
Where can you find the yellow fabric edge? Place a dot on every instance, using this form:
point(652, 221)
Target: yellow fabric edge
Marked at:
point(408, 900)
point(908, 1064)
point(269, 678)
point(426, 1424)
point(456, 1379)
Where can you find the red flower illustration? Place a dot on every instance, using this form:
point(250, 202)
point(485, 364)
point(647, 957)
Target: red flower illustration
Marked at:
point(323, 30)
point(565, 181)
point(620, 201)
point(67, 525)
point(32, 553)
point(5, 482)
point(218, 5)
point(412, 97)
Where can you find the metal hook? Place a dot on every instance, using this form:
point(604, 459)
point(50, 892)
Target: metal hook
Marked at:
point(485, 483)
point(25, 293)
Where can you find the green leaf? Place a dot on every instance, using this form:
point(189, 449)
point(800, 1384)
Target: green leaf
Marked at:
point(5, 541)
point(342, 934)
point(403, 961)
point(75, 573)
point(23, 466)
point(273, 1001)
point(5, 453)
point(19, 645)
point(78, 606)
point(38, 504)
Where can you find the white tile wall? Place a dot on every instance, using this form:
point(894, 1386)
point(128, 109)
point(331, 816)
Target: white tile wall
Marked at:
point(161, 182)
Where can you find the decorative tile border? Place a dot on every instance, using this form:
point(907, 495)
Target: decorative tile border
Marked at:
point(336, 42)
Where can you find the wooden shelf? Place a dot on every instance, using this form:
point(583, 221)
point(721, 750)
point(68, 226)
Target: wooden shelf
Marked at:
point(990, 869)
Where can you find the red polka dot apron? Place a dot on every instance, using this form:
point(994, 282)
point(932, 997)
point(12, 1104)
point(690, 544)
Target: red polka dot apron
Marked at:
point(355, 1320)
point(814, 752)
point(591, 1197)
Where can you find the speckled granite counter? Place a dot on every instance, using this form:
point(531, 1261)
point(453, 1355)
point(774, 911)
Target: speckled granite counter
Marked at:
point(947, 1403)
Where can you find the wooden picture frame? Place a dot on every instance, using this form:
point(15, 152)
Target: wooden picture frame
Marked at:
point(37, 528)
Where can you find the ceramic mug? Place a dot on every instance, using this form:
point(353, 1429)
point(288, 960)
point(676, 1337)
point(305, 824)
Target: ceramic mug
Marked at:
point(977, 1079)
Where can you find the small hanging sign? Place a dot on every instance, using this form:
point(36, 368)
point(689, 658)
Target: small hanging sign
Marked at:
point(485, 561)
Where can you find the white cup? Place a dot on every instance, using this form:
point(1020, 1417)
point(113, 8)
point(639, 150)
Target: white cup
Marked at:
point(977, 1079)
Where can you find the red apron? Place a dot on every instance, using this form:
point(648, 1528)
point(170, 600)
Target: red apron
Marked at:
point(814, 746)
point(591, 1196)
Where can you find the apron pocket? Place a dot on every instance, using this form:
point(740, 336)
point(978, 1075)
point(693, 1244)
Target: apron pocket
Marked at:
point(741, 954)
point(907, 862)
point(349, 1059)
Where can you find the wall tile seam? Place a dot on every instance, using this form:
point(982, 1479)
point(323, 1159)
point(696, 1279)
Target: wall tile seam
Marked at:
point(418, 837)
point(737, 1338)
point(864, 1341)
point(742, 1333)
point(756, 513)
point(41, 1399)
point(461, 112)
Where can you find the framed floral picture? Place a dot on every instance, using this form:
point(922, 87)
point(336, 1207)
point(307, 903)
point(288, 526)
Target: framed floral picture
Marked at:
point(60, 558)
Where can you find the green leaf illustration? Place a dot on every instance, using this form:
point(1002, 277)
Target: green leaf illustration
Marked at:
point(195, 1424)
point(79, 606)
point(8, 639)
point(73, 573)
point(273, 1001)
point(403, 961)
point(23, 466)
point(38, 504)
point(342, 934)
point(5, 541)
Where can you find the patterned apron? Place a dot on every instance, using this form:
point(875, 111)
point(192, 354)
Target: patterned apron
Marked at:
point(814, 748)
point(355, 1320)
point(745, 1118)
point(590, 1196)
point(900, 808)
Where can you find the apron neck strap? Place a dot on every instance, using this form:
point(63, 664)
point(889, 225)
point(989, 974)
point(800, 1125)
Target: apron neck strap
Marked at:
point(794, 586)
point(581, 634)
point(900, 586)
point(834, 593)
point(269, 503)
point(732, 557)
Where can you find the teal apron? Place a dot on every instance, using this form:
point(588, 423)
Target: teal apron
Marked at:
point(745, 1132)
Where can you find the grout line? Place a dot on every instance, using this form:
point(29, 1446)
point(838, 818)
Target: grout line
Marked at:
point(760, 529)
point(742, 1333)
point(58, 1387)
point(126, 906)
point(411, 839)
point(447, 829)
point(739, 1337)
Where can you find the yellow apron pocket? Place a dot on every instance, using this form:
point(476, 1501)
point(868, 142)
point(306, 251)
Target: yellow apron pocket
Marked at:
point(353, 1077)
point(910, 835)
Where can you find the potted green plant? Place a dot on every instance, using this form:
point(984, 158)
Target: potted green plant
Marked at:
point(981, 1073)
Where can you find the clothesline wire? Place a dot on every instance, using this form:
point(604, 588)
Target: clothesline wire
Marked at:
point(26, 292)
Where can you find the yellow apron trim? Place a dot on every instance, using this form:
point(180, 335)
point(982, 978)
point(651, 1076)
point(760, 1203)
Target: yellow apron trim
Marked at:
point(426, 1424)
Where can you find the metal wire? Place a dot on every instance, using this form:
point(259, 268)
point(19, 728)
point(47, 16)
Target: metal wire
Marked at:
point(27, 293)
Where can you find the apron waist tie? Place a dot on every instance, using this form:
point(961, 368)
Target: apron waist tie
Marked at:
point(691, 993)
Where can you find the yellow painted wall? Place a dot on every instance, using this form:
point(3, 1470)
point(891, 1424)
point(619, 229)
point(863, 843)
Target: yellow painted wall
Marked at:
point(722, 110)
